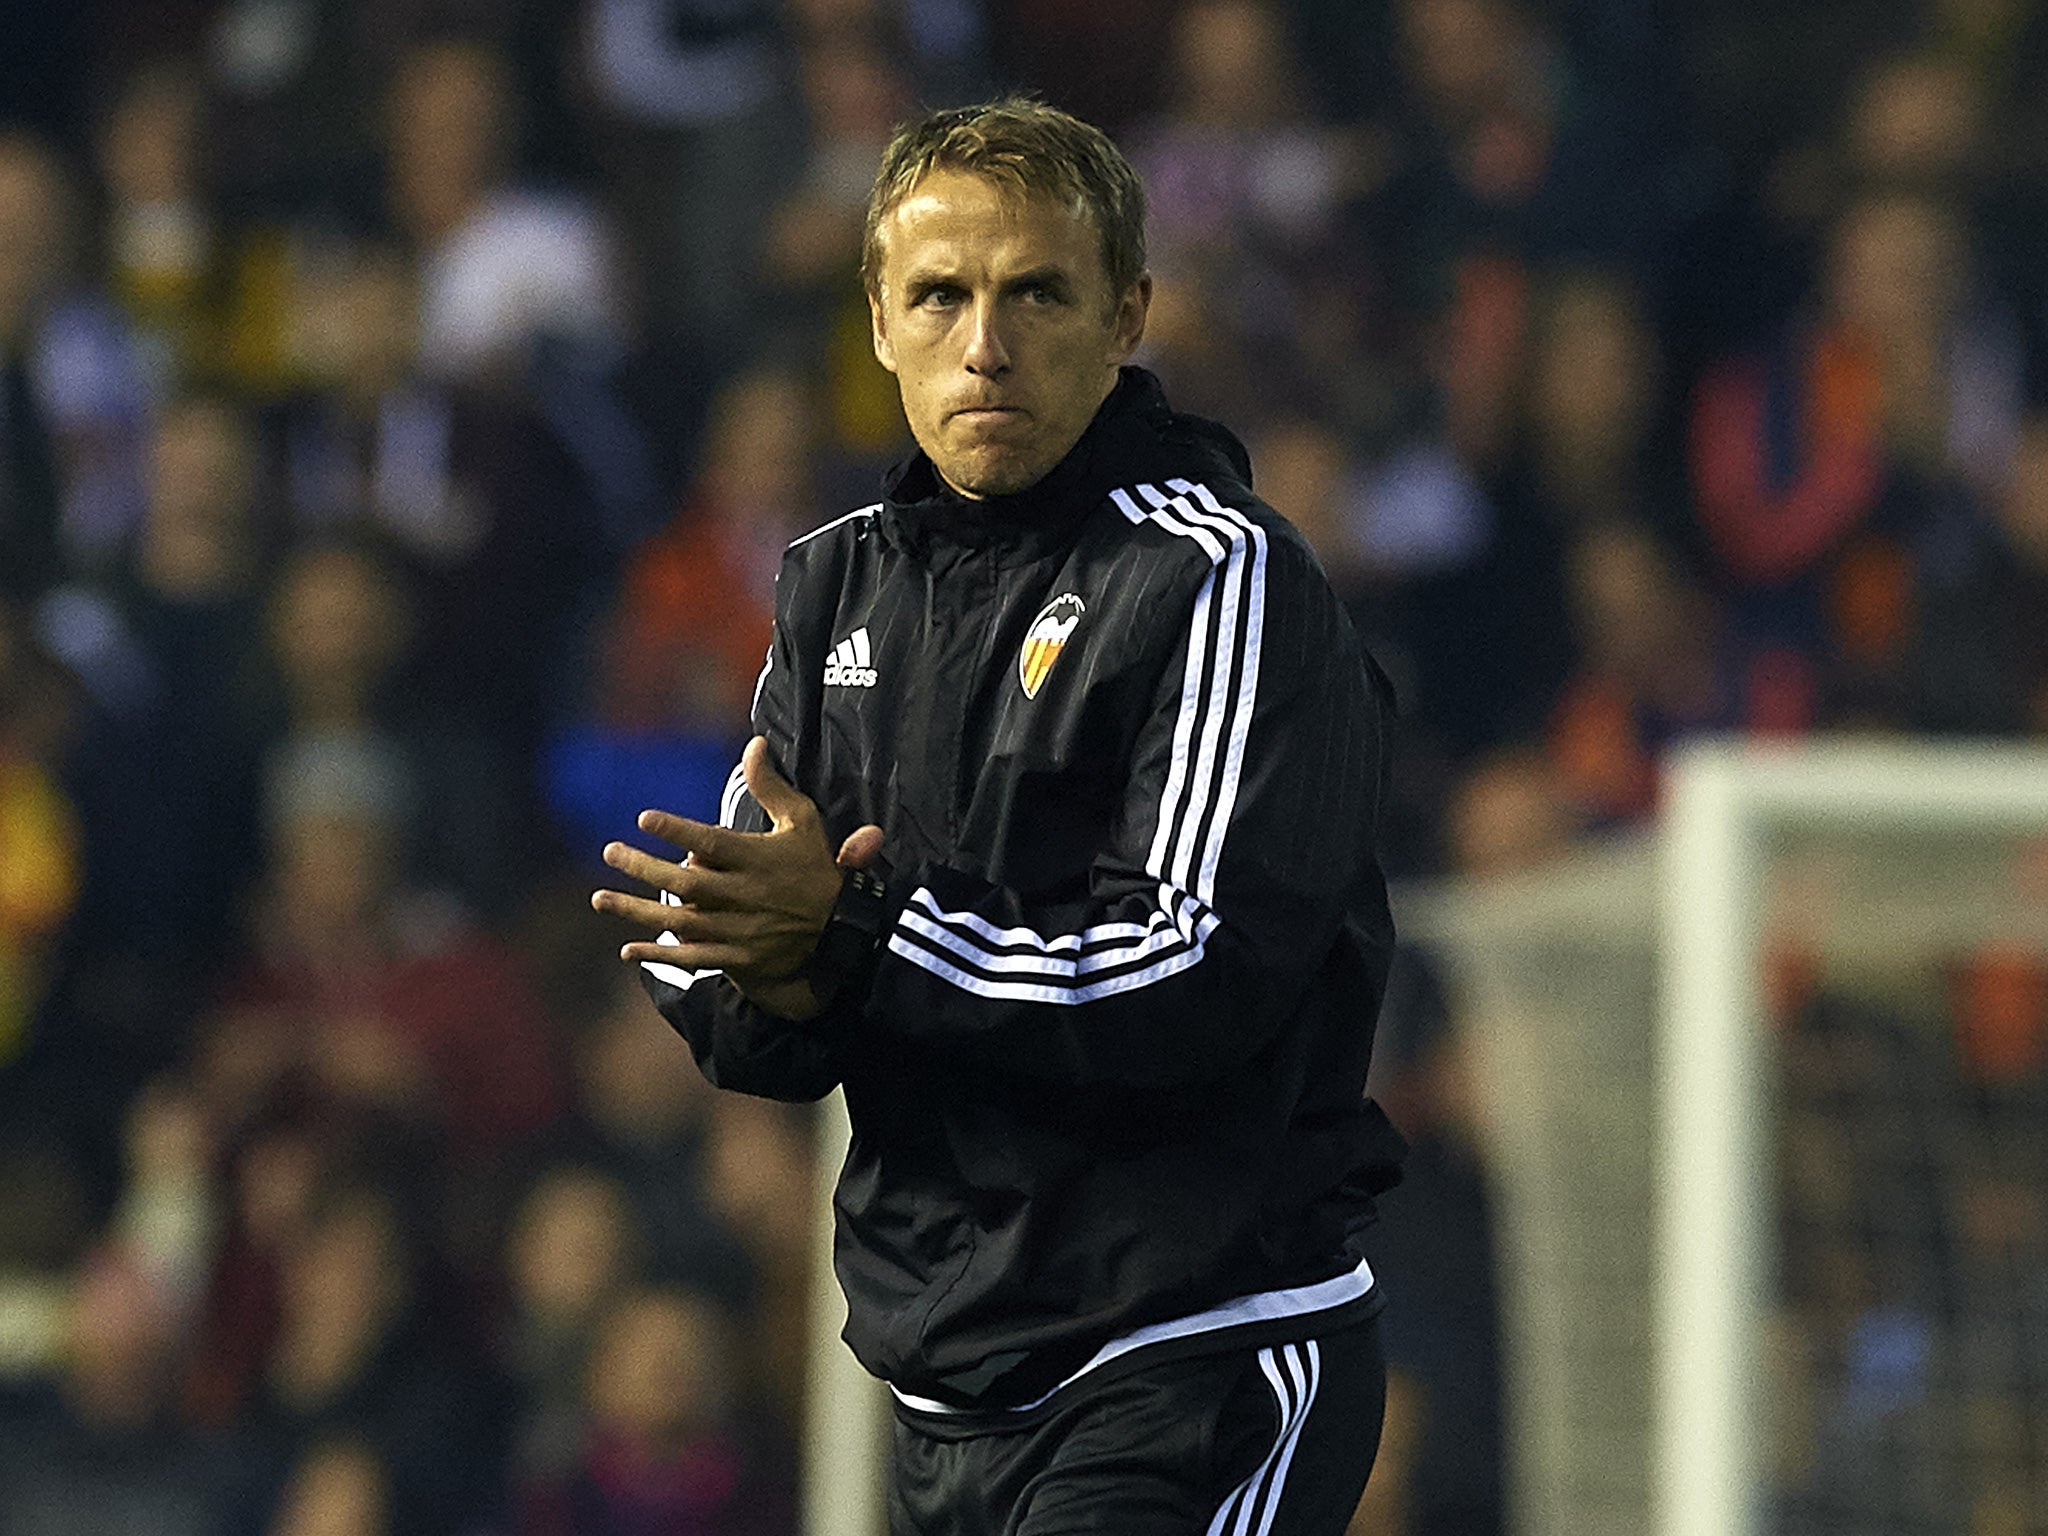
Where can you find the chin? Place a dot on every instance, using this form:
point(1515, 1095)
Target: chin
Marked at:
point(997, 479)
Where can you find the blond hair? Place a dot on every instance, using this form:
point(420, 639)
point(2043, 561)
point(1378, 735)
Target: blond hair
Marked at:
point(1030, 148)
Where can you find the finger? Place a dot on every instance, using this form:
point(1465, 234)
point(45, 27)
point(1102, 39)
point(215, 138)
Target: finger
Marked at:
point(639, 910)
point(641, 865)
point(782, 800)
point(691, 957)
point(706, 844)
point(862, 847)
point(696, 925)
point(698, 884)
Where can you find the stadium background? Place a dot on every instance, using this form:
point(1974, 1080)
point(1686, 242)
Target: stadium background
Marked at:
point(403, 404)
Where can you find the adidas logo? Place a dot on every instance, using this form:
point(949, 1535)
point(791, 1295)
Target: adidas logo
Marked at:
point(851, 665)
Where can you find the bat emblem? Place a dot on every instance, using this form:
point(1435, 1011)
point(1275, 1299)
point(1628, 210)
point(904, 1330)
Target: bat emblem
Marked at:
point(1047, 637)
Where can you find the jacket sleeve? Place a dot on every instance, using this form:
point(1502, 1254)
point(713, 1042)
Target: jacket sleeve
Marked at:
point(1242, 852)
point(738, 1045)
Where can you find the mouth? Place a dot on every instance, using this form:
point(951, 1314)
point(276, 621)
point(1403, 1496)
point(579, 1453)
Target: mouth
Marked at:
point(987, 414)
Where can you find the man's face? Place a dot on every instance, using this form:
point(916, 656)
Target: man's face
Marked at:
point(997, 318)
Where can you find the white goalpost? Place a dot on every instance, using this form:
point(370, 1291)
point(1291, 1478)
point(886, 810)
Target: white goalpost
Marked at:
point(1726, 803)
point(846, 1411)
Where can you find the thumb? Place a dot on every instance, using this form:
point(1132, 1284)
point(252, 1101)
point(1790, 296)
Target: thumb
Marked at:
point(782, 800)
point(861, 848)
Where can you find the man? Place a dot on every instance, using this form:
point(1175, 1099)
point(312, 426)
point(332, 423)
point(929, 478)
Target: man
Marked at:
point(32, 216)
point(1098, 961)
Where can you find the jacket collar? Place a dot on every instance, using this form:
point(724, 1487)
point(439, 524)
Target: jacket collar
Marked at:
point(1134, 437)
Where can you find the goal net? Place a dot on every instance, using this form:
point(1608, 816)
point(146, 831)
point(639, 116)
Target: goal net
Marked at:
point(1768, 1100)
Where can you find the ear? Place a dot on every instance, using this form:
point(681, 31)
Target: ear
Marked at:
point(1127, 327)
point(885, 352)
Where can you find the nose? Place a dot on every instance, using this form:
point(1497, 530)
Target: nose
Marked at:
point(987, 356)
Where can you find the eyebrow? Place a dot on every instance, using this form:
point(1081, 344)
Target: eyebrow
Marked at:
point(1048, 276)
point(925, 278)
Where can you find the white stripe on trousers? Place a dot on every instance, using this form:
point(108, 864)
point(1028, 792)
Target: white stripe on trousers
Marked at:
point(1294, 1371)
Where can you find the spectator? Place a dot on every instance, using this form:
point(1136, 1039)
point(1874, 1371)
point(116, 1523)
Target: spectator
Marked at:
point(166, 252)
point(1509, 816)
point(665, 1450)
point(854, 93)
point(1597, 442)
point(575, 1247)
point(761, 1176)
point(402, 1018)
point(1977, 660)
point(166, 1221)
point(1918, 121)
point(1099, 62)
point(341, 626)
point(292, 142)
point(1654, 668)
point(339, 1487)
point(270, 1174)
point(1908, 394)
point(1575, 404)
point(357, 1355)
point(690, 634)
point(941, 42)
point(1244, 196)
point(1481, 111)
point(642, 1121)
point(103, 1448)
point(168, 649)
point(491, 520)
point(503, 266)
point(79, 391)
point(674, 658)
point(1304, 467)
point(31, 238)
point(693, 121)
point(1234, 156)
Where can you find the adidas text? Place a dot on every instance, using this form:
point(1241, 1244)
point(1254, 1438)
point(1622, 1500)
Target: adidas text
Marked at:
point(851, 664)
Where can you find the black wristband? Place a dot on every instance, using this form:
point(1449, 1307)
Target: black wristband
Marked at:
point(852, 933)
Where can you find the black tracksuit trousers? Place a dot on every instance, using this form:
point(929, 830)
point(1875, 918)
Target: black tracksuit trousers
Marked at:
point(1252, 1440)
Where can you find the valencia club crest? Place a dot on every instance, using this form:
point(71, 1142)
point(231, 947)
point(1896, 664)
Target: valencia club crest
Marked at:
point(1047, 637)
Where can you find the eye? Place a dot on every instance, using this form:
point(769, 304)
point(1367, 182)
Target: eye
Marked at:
point(1039, 293)
point(938, 296)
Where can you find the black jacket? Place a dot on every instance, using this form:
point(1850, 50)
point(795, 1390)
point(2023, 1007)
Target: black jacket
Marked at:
point(1108, 1071)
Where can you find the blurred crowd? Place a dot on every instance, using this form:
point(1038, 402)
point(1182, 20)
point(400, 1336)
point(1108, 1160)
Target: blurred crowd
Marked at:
point(403, 405)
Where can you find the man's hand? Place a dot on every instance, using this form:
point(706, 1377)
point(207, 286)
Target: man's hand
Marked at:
point(753, 903)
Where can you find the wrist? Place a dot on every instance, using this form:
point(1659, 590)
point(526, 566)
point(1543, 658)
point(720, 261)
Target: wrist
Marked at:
point(852, 934)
